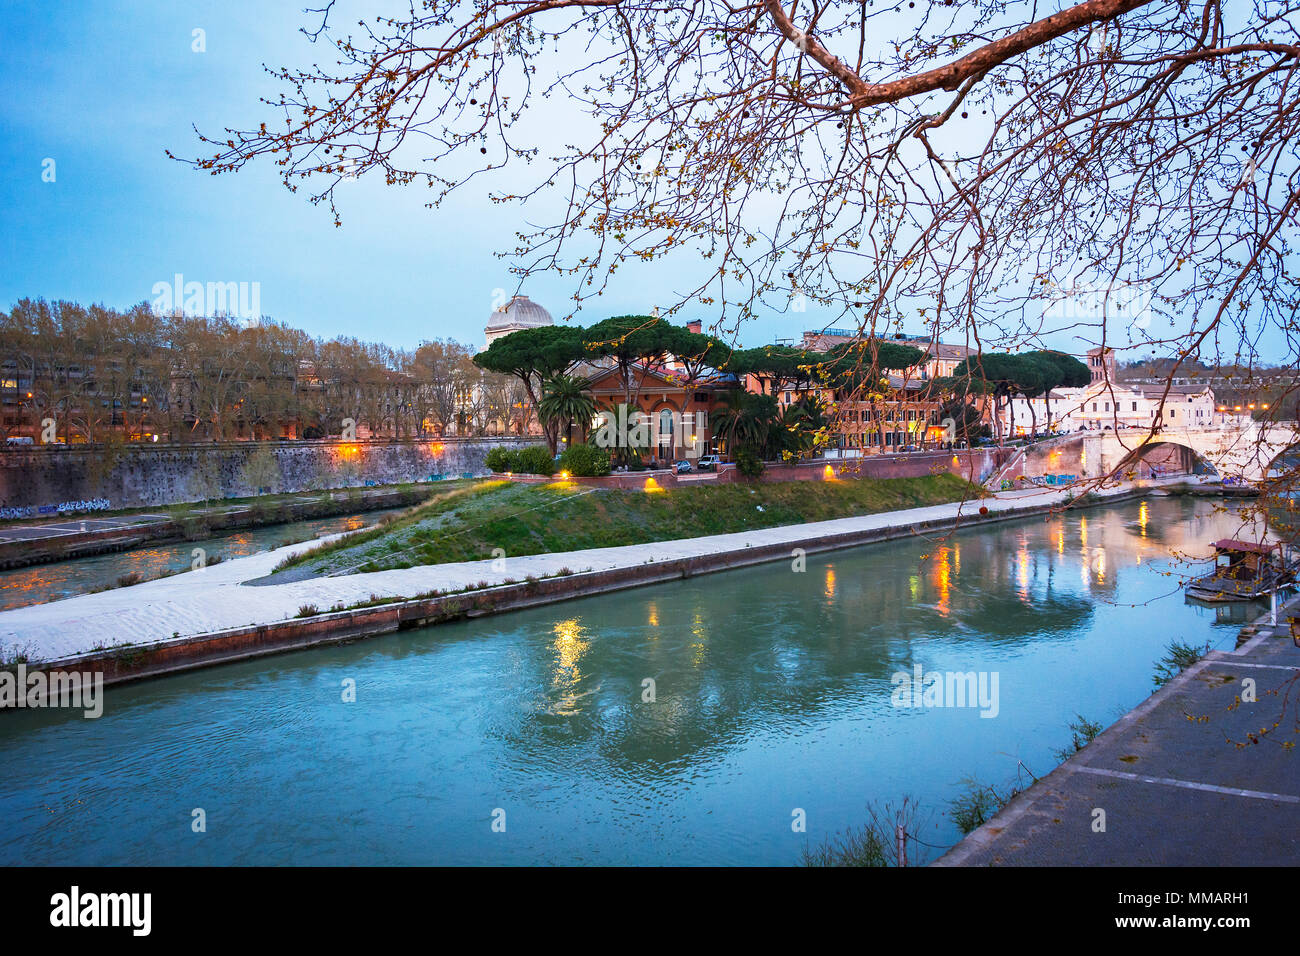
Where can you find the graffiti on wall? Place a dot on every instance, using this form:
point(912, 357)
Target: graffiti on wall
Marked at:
point(62, 508)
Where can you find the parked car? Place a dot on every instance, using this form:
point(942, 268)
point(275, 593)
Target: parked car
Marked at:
point(682, 467)
point(708, 463)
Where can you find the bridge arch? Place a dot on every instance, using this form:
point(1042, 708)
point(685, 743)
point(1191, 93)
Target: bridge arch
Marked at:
point(1164, 458)
point(1285, 463)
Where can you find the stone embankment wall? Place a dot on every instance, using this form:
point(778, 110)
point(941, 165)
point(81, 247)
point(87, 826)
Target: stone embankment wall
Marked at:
point(974, 465)
point(41, 478)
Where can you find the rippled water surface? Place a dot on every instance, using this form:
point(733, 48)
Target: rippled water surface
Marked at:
point(772, 692)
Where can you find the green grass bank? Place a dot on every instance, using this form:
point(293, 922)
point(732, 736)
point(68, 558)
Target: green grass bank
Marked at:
point(468, 524)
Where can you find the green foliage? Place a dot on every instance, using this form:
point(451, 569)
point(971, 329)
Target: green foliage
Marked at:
point(536, 460)
point(585, 461)
point(533, 355)
point(549, 518)
point(565, 401)
point(500, 459)
point(749, 421)
point(631, 338)
point(802, 429)
point(1082, 732)
point(748, 463)
point(977, 804)
point(1178, 657)
point(783, 364)
point(533, 460)
point(854, 366)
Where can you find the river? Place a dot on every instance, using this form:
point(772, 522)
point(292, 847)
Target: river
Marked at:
point(773, 698)
point(40, 583)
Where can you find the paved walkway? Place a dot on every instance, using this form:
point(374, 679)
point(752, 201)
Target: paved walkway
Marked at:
point(216, 598)
point(1175, 787)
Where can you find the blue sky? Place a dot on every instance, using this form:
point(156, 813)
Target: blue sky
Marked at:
point(104, 88)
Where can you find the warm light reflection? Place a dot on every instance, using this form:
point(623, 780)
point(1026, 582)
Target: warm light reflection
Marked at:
point(1142, 518)
point(942, 580)
point(569, 647)
point(1022, 570)
point(654, 614)
point(701, 636)
point(1060, 542)
point(830, 583)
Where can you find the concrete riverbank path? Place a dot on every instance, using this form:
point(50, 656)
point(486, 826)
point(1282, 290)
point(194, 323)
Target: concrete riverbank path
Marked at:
point(1184, 779)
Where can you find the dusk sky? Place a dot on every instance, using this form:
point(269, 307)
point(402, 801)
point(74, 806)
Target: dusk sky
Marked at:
point(102, 89)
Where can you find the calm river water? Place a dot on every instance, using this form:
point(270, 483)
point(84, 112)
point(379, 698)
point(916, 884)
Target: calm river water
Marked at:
point(51, 582)
point(772, 693)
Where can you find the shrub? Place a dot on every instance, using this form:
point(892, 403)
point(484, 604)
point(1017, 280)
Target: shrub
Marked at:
point(585, 461)
point(536, 460)
point(748, 464)
point(533, 460)
point(500, 459)
point(308, 610)
point(975, 806)
point(1178, 657)
point(1082, 732)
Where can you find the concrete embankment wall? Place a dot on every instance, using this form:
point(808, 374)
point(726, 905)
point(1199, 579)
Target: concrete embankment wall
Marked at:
point(147, 475)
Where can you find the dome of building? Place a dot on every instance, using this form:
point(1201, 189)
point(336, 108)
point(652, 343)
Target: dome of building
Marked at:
point(520, 312)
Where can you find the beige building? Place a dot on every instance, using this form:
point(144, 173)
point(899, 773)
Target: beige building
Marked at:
point(1108, 403)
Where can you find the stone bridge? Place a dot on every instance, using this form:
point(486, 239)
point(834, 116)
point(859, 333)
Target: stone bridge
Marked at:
point(1230, 451)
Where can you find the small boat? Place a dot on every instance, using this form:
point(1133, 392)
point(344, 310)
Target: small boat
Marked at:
point(1244, 571)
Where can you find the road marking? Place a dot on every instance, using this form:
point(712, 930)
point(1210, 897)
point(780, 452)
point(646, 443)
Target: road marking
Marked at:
point(1189, 785)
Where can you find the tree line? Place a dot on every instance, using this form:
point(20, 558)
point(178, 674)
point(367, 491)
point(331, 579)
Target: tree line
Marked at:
point(103, 374)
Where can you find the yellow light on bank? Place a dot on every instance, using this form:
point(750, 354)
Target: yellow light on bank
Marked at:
point(652, 485)
point(828, 473)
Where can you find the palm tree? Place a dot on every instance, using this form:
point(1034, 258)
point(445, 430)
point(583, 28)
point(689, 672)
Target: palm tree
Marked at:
point(564, 401)
point(749, 421)
point(803, 428)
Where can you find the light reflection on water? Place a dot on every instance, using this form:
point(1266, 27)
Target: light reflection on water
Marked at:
point(40, 583)
point(772, 692)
